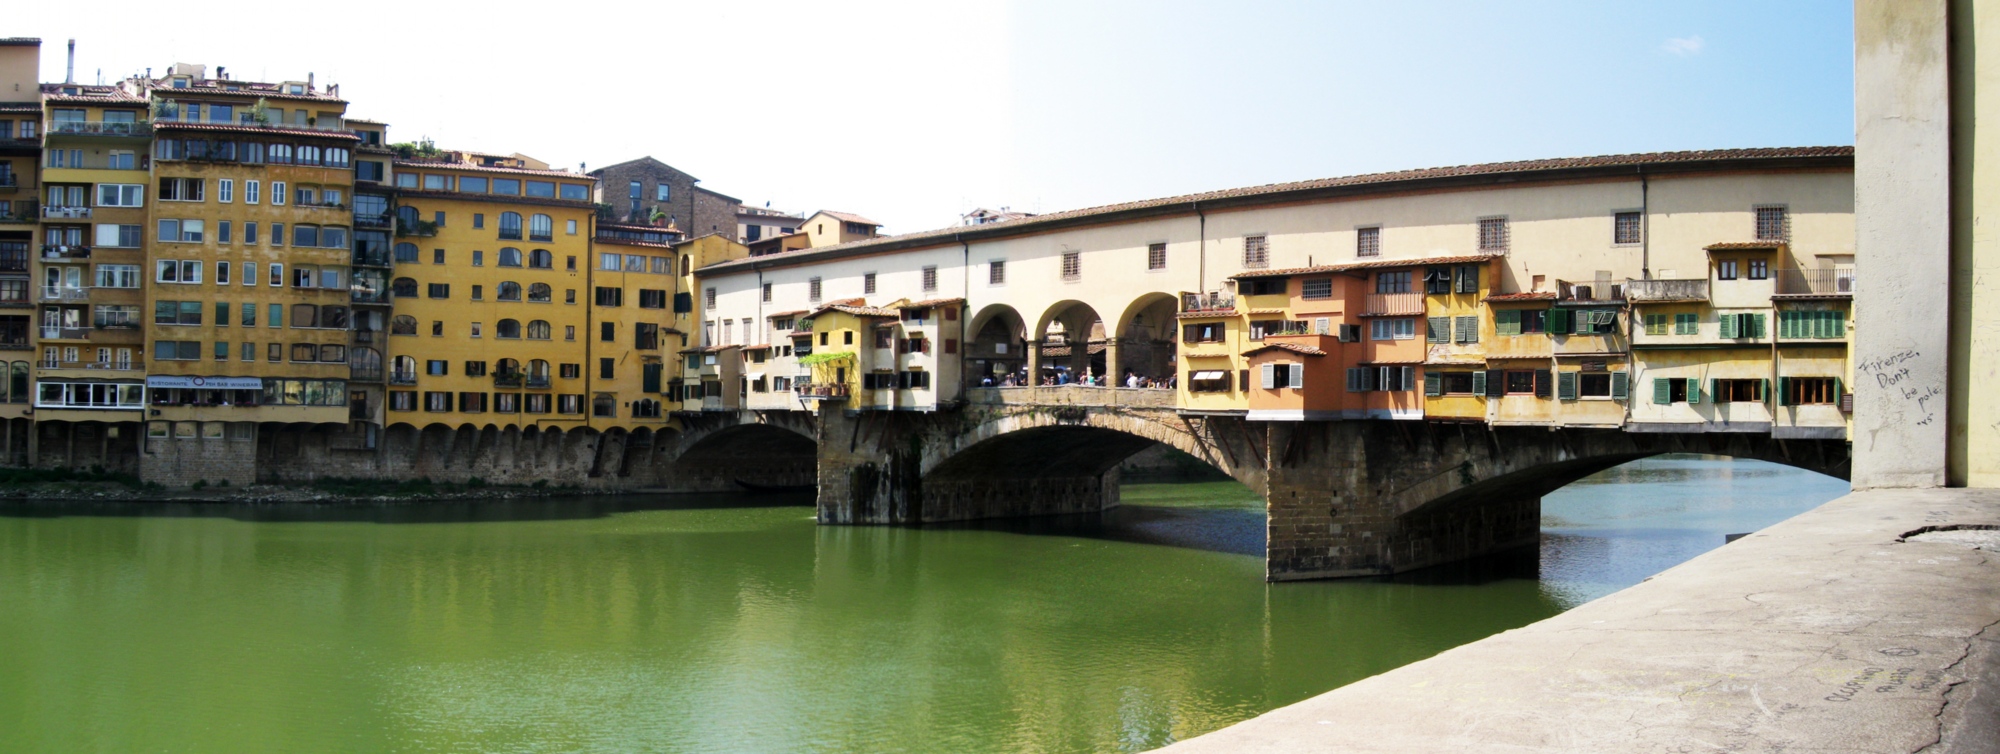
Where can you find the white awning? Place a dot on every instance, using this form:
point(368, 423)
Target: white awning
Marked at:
point(755, 375)
point(1214, 375)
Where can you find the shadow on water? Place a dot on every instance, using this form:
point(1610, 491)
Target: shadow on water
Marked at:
point(491, 510)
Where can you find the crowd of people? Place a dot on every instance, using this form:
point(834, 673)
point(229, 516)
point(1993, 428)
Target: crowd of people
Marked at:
point(1061, 376)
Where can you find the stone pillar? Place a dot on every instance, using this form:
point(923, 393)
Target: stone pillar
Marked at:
point(1114, 376)
point(1034, 352)
point(868, 474)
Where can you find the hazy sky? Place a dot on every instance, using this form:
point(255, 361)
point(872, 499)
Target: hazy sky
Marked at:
point(911, 113)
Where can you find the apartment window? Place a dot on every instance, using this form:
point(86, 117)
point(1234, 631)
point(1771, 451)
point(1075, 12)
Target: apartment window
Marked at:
point(1626, 228)
point(182, 231)
point(1368, 241)
point(250, 192)
point(607, 332)
point(654, 298)
point(1437, 280)
point(1465, 329)
point(996, 272)
point(438, 290)
point(1771, 224)
point(117, 236)
point(1805, 391)
point(176, 271)
point(606, 368)
point(176, 313)
point(812, 291)
point(571, 229)
point(1656, 324)
point(767, 293)
point(1759, 269)
point(1156, 256)
point(867, 283)
point(1392, 329)
point(274, 315)
point(478, 219)
point(181, 189)
point(437, 256)
point(277, 193)
point(222, 233)
point(541, 227)
point(570, 371)
point(607, 296)
point(1732, 391)
point(1725, 269)
point(1392, 282)
point(123, 195)
point(510, 225)
point(1687, 324)
point(221, 273)
point(1072, 265)
point(663, 193)
point(1256, 252)
point(1493, 234)
point(1824, 323)
point(1316, 289)
point(478, 258)
point(930, 279)
point(1525, 382)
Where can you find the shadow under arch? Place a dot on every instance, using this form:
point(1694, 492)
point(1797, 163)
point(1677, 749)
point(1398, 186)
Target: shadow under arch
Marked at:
point(1070, 336)
point(754, 456)
point(1145, 335)
point(998, 346)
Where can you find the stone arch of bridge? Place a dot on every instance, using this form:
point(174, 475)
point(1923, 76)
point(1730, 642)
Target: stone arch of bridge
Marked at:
point(1055, 441)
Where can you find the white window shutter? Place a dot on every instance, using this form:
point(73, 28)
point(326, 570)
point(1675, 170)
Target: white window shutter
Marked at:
point(1298, 375)
point(1270, 376)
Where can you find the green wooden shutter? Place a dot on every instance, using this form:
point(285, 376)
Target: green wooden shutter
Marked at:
point(1764, 390)
point(1836, 324)
point(1542, 383)
point(1663, 391)
point(1621, 385)
point(1559, 321)
point(1836, 391)
point(1433, 383)
point(1729, 325)
point(649, 381)
point(1468, 329)
point(1439, 329)
point(1479, 382)
point(1784, 391)
point(1694, 391)
point(1496, 383)
point(1507, 321)
point(1566, 386)
point(1756, 325)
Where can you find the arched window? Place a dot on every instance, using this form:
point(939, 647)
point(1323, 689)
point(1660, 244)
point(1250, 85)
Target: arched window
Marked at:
point(538, 330)
point(403, 288)
point(541, 228)
point(538, 370)
point(510, 225)
point(407, 252)
point(541, 259)
point(305, 315)
point(510, 257)
point(508, 328)
point(510, 290)
point(684, 264)
point(539, 292)
point(604, 405)
point(406, 221)
point(403, 324)
point(645, 408)
point(405, 369)
point(507, 368)
point(365, 359)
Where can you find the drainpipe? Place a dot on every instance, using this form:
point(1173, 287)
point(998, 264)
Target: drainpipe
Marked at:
point(964, 317)
point(1201, 248)
point(589, 368)
point(1645, 230)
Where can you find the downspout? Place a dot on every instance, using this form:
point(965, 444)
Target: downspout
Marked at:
point(1201, 248)
point(589, 323)
point(1645, 230)
point(964, 317)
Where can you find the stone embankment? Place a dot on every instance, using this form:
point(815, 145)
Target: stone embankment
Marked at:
point(1865, 625)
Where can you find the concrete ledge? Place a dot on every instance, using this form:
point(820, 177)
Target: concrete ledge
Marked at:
point(1822, 633)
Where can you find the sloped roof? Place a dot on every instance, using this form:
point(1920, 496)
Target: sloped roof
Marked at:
point(1372, 265)
point(1303, 350)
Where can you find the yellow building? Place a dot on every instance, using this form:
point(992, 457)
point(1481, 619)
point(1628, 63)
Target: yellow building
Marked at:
point(492, 295)
point(697, 380)
point(1457, 330)
point(633, 335)
point(246, 300)
point(20, 152)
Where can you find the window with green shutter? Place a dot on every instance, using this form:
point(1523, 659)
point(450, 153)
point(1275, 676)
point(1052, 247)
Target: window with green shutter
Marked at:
point(649, 380)
point(1756, 325)
point(1729, 322)
point(1694, 390)
point(1663, 390)
point(1479, 382)
point(1621, 385)
point(1507, 321)
point(1687, 324)
point(1656, 324)
point(1439, 330)
point(1433, 383)
point(1468, 278)
point(1566, 386)
point(1559, 321)
point(1468, 330)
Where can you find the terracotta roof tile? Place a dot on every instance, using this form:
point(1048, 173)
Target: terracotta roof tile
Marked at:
point(1292, 347)
point(931, 303)
point(1742, 245)
point(174, 125)
point(1517, 171)
point(786, 314)
point(848, 217)
point(1265, 311)
point(1207, 313)
point(1523, 296)
point(1373, 265)
point(448, 165)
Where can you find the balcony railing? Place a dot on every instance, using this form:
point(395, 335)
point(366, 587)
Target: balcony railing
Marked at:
point(402, 378)
point(1207, 302)
point(372, 259)
point(65, 294)
point(65, 252)
point(14, 261)
point(100, 128)
point(538, 383)
point(1666, 290)
point(109, 366)
point(365, 337)
point(507, 380)
point(16, 345)
point(1816, 282)
point(374, 221)
point(364, 296)
point(65, 333)
point(10, 183)
point(821, 391)
point(115, 324)
point(20, 212)
point(365, 374)
point(1394, 304)
point(65, 213)
point(1600, 291)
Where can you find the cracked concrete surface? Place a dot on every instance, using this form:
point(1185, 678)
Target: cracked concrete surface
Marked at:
point(1824, 633)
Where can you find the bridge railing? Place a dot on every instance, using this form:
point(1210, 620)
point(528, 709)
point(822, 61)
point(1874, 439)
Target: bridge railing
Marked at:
point(1071, 395)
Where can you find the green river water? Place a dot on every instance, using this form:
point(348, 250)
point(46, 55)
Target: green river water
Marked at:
point(734, 624)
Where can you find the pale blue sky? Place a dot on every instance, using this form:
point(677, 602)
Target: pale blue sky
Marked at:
point(913, 112)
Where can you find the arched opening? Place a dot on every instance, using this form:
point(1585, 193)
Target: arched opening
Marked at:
point(998, 353)
point(1070, 340)
point(755, 457)
point(1144, 341)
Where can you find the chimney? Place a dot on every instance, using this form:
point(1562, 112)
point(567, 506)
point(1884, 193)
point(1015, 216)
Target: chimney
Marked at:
point(309, 83)
point(222, 73)
point(69, 75)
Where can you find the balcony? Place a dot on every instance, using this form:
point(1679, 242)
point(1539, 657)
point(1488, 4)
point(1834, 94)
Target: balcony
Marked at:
point(365, 337)
point(20, 212)
point(402, 378)
point(116, 129)
point(65, 333)
point(365, 296)
point(1598, 292)
point(65, 252)
point(108, 366)
point(507, 380)
point(374, 221)
point(1393, 304)
point(14, 261)
point(820, 392)
point(115, 324)
point(1829, 283)
point(16, 345)
point(65, 213)
point(1212, 301)
point(538, 383)
point(65, 294)
point(372, 259)
point(365, 374)
point(1666, 291)
point(10, 183)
